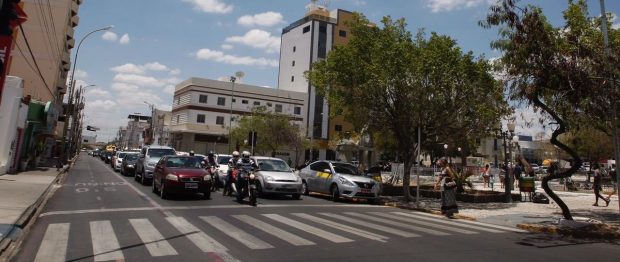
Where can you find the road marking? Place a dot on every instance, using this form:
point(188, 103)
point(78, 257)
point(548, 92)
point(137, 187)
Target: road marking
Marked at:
point(105, 244)
point(54, 244)
point(160, 208)
point(423, 223)
point(156, 243)
point(309, 229)
point(232, 231)
point(345, 228)
point(398, 224)
point(374, 226)
point(274, 231)
point(455, 223)
point(200, 239)
point(477, 223)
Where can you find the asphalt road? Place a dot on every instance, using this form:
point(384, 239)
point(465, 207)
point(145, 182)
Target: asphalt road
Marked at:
point(99, 215)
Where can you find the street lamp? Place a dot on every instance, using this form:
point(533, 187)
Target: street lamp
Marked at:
point(506, 134)
point(72, 85)
point(238, 74)
point(445, 151)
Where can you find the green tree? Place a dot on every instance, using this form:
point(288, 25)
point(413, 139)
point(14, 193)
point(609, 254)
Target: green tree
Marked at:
point(560, 70)
point(387, 82)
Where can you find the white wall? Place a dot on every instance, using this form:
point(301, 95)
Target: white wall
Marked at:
point(13, 116)
point(302, 42)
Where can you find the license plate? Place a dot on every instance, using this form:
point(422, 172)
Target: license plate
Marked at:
point(365, 190)
point(191, 185)
point(286, 186)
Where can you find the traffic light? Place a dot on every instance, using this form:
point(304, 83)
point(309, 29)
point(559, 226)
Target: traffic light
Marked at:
point(252, 138)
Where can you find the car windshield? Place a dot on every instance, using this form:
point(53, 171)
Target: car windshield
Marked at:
point(156, 152)
point(183, 162)
point(275, 165)
point(130, 157)
point(346, 169)
point(223, 160)
point(121, 155)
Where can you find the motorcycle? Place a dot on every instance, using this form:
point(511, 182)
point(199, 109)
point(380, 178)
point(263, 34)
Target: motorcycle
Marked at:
point(214, 177)
point(249, 188)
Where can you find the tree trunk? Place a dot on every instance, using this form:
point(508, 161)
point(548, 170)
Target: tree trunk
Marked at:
point(559, 175)
point(406, 179)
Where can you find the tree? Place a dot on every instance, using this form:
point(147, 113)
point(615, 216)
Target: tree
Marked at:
point(384, 81)
point(560, 70)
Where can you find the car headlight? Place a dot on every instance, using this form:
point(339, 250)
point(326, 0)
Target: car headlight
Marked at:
point(207, 177)
point(345, 182)
point(130, 166)
point(172, 177)
point(268, 178)
point(252, 176)
point(297, 178)
point(150, 164)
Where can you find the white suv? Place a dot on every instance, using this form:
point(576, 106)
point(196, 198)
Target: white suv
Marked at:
point(149, 156)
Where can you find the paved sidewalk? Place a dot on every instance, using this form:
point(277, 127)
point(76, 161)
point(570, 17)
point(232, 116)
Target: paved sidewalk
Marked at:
point(21, 195)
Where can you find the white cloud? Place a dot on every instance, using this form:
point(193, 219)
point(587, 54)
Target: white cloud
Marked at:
point(156, 66)
point(138, 80)
point(218, 56)
point(96, 92)
point(450, 5)
point(262, 19)
point(109, 36)
point(124, 39)
point(359, 2)
point(100, 105)
point(211, 6)
point(258, 39)
point(175, 71)
point(128, 68)
point(169, 89)
point(227, 47)
point(223, 78)
point(123, 87)
point(80, 74)
point(616, 26)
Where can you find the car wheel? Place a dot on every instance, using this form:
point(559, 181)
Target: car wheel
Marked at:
point(143, 180)
point(296, 196)
point(162, 191)
point(154, 188)
point(335, 193)
point(371, 201)
point(304, 189)
point(259, 190)
point(206, 194)
point(121, 171)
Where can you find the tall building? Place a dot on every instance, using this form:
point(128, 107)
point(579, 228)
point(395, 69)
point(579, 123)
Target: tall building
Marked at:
point(304, 42)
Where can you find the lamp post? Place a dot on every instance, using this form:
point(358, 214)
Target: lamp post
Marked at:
point(505, 134)
point(72, 86)
point(445, 151)
point(78, 122)
point(238, 74)
point(461, 156)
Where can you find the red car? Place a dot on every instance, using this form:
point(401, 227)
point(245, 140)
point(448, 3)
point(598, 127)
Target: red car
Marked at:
point(181, 175)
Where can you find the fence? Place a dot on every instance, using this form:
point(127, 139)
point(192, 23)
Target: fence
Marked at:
point(431, 173)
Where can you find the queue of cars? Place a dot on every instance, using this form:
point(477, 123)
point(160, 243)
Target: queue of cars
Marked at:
point(170, 172)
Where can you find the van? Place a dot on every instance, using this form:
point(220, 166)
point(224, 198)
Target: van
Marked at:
point(149, 156)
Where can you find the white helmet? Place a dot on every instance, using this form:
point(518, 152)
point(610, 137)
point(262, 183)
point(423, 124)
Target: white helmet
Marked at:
point(246, 154)
point(235, 154)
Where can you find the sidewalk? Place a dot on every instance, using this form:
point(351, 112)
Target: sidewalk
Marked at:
point(21, 195)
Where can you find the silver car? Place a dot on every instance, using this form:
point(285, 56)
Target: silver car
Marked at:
point(340, 180)
point(276, 177)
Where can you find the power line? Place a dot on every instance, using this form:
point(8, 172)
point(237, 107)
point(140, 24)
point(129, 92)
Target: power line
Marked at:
point(29, 64)
point(21, 29)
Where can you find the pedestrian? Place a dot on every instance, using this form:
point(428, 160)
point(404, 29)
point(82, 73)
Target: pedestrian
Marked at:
point(518, 171)
point(448, 189)
point(503, 170)
point(598, 186)
point(486, 176)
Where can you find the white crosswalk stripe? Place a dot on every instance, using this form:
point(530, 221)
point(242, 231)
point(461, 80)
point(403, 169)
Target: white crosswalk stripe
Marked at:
point(105, 243)
point(309, 229)
point(232, 231)
point(378, 227)
point(477, 223)
point(339, 226)
point(199, 238)
point(274, 231)
point(428, 224)
point(448, 222)
point(54, 244)
point(399, 224)
point(155, 243)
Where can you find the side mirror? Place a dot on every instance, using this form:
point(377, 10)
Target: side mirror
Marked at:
point(327, 170)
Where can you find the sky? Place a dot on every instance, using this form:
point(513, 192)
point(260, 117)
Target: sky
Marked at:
point(156, 44)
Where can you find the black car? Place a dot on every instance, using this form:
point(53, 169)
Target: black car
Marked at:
point(128, 166)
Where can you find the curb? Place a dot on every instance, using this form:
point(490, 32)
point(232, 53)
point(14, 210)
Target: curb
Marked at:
point(16, 233)
point(599, 232)
point(397, 204)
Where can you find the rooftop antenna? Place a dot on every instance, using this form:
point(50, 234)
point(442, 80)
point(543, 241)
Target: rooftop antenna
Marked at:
point(312, 5)
point(326, 4)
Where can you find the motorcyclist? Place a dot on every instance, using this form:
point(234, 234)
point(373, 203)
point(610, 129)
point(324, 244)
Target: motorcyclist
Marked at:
point(231, 165)
point(211, 159)
point(244, 166)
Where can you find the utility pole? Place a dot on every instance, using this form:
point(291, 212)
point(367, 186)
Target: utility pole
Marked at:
point(615, 103)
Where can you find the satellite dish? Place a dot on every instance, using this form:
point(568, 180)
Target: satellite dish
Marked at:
point(240, 74)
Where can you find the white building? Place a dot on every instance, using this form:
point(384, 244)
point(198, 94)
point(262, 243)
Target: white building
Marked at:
point(202, 110)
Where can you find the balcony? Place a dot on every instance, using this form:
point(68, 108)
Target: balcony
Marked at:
point(75, 20)
point(74, 7)
point(70, 32)
point(70, 43)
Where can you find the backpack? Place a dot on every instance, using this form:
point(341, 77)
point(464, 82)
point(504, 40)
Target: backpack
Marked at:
point(540, 198)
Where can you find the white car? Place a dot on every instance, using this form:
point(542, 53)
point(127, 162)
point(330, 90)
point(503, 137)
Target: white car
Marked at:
point(276, 177)
point(535, 168)
point(222, 169)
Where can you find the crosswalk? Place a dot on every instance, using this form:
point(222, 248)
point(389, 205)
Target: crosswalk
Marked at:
point(214, 234)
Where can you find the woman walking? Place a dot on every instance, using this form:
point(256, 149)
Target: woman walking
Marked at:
point(486, 176)
point(448, 189)
point(598, 186)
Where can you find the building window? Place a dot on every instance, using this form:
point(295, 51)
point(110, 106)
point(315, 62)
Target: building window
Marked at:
point(278, 108)
point(338, 128)
point(297, 110)
point(306, 29)
point(322, 29)
point(294, 49)
point(221, 101)
point(200, 118)
point(178, 100)
point(234, 100)
point(292, 78)
point(219, 120)
point(342, 33)
point(244, 102)
point(269, 104)
point(177, 119)
point(293, 63)
point(256, 103)
point(202, 99)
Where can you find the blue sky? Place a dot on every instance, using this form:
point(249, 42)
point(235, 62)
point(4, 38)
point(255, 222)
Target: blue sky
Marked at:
point(156, 44)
